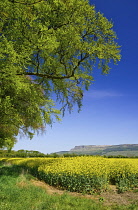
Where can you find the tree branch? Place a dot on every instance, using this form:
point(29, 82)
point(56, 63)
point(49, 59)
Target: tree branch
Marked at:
point(79, 62)
point(25, 3)
point(37, 58)
point(59, 26)
point(46, 75)
point(56, 77)
point(52, 76)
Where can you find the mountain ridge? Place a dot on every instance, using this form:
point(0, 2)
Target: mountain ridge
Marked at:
point(121, 149)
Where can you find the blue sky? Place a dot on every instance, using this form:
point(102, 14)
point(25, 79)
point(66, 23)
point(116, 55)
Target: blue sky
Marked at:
point(110, 108)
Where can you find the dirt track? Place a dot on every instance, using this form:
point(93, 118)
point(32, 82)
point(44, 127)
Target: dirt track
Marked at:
point(108, 198)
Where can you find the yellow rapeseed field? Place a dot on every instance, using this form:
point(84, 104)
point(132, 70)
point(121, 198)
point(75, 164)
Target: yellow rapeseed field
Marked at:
point(85, 174)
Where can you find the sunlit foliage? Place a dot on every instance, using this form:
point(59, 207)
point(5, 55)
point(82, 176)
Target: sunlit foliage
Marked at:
point(48, 50)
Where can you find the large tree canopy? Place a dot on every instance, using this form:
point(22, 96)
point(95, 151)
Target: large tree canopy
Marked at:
point(48, 49)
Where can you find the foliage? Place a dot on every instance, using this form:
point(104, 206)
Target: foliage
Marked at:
point(47, 53)
point(83, 174)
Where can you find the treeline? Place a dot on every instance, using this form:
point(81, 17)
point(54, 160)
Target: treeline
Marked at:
point(21, 153)
point(30, 153)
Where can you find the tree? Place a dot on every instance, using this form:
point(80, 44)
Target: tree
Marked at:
point(48, 49)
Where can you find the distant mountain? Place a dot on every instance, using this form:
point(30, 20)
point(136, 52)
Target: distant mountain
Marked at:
point(122, 149)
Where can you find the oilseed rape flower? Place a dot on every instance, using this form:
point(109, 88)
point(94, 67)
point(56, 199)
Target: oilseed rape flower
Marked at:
point(85, 174)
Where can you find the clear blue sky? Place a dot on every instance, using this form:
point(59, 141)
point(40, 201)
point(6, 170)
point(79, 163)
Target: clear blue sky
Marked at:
point(110, 108)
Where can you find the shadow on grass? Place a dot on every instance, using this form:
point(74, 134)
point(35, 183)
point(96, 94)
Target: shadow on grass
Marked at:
point(12, 170)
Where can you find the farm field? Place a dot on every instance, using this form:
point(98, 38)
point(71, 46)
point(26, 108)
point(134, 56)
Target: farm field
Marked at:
point(20, 190)
point(85, 174)
point(111, 182)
